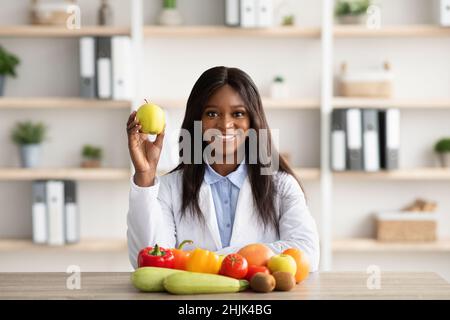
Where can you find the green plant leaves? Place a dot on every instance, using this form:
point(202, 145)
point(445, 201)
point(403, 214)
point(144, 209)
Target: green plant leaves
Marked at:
point(8, 63)
point(29, 133)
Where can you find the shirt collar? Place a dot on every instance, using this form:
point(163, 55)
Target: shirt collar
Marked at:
point(237, 177)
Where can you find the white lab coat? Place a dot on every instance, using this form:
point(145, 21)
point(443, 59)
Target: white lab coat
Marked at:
point(155, 217)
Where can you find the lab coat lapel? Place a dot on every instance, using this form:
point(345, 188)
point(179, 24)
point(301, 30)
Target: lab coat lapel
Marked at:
point(209, 211)
point(243, 225)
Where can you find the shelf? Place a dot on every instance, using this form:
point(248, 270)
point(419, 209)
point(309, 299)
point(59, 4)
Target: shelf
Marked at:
point(372, 245)
point(32, 31)
point(307, 173)
point(356, 31)
point(268, 103)
point(61, 103)
point(344, 102)
point(88, 245)
point(419, 174)
point(223, 31)
point(64, 173)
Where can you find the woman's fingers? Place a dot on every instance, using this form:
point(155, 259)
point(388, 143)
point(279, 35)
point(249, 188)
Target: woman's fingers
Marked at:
point(159, 138)
point(131, 118)
point(133, 124)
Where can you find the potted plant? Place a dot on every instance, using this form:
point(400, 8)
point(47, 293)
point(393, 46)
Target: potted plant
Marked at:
point(351, 11)
point(442, 147)
point(92, 156)
point(8, 63)
point(170, 15)
point(29, 136)
point(279, 89)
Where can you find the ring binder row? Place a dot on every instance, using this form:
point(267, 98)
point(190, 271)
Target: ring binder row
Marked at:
point(55, 212)
point(105, 67)
point(365, 139)
point(249, 13)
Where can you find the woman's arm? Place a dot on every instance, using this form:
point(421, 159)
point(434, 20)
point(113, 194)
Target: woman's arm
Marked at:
point(297, 227)
point(149, 219)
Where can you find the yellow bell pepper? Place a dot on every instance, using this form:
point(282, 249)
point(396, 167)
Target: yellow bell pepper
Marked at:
point(203, 261)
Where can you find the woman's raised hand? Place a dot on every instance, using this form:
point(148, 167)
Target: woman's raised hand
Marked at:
point(144, 153)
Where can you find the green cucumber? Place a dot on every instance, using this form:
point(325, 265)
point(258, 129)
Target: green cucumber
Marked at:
point(198, 283)
point(150, 279)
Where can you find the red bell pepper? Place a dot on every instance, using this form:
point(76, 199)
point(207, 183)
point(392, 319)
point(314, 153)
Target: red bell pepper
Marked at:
point(156, 257)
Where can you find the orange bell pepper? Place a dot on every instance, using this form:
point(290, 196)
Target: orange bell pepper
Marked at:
point(181, 257)
point(203, 261)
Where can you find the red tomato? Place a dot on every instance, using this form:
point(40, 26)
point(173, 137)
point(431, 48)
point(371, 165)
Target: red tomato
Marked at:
point(252, 270)
point(235, 266)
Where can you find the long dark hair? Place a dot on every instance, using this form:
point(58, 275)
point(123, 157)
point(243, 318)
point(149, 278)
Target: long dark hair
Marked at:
point(263, 186)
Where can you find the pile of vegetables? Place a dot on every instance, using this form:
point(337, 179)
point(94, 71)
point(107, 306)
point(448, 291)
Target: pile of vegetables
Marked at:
point(201, 271)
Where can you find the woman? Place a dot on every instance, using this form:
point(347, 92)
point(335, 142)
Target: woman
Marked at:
point(220, 197)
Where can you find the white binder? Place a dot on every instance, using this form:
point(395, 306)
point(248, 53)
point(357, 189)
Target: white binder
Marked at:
point(264, 13)
point(104, 66)
point(338, 143)
point(232, 13)
point(248, 13)
point(354, 139)
point(39, 212)
point(72, 218)
point(389, 124)
point(122, 71)
point(87, 67)
point(442, 12)
point(371, 145)
point(55, 203)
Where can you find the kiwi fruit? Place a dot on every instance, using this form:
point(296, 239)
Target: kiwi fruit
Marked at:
point(285, 281)
point(262, 282)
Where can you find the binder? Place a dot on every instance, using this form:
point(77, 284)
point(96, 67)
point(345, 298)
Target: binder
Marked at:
point(104, 68)
point(121, 68)
point(39, 212)
point(264, 13)
point(338, 140)
point(442, 12)
point(55, 203)
point(232, 13)
point(354, 139)
point(72, 218)
point(389, 126)
point(371, 145)
point(248, 13)
point(87, 67)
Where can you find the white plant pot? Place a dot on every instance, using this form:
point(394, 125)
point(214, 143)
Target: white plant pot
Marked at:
point(279, 90)
point(352, 19)
point(444, 159)
point(2, 84)
point(170, 17)
point(30, 155)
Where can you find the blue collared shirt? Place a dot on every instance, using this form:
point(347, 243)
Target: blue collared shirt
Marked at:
point(225, 193)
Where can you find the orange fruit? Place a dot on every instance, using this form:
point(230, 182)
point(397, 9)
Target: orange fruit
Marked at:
point(256, 254)
point(302, 263)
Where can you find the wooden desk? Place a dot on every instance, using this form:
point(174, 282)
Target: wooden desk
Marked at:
point(332, 285)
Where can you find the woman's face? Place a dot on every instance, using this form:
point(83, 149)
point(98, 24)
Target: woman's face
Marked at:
point(226, 112)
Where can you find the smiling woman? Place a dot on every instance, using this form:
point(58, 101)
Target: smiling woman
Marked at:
point(221, 197)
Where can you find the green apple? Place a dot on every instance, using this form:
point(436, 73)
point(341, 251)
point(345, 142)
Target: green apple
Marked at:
point(151, 117)
point(283, 263)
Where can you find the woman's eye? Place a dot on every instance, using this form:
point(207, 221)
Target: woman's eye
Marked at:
point(239, 114)
point(211, 114)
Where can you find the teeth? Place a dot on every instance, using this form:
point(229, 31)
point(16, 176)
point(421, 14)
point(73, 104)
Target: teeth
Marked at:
point(226, 137)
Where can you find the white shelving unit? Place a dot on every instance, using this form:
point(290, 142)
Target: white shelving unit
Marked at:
point(326, 35)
